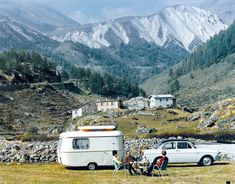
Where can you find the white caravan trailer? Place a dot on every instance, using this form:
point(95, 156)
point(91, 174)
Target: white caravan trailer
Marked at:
point(91, 146)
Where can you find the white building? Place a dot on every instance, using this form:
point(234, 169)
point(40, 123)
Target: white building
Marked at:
point(88, 108)
point(77, 113)
point(108, 105)
point(162, 101)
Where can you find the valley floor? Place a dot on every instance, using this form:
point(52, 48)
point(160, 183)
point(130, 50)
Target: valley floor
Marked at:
point(220, 172)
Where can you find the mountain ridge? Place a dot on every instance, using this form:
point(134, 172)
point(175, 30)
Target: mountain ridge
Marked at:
point(173, 21)
point(206, 76)
point(14, 35)
point(36, 16)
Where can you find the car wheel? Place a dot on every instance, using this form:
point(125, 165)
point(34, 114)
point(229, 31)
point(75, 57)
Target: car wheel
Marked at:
point(92, 166)
point(206, 161)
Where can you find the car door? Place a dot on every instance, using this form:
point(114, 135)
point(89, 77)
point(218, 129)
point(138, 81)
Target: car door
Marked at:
point(185, 152)
point(170, 148)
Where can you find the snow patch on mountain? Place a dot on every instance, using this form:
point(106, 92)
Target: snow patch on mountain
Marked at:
point(16, 28)
point(187, 25)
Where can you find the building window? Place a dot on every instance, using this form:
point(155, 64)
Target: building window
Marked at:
point(160, 100)
point(166, 99)
point(81, 143)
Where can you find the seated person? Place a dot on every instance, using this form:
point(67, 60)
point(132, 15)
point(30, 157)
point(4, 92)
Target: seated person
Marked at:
point(157, 161)
point(142, 162)
point(116, 159)
point(129, 160)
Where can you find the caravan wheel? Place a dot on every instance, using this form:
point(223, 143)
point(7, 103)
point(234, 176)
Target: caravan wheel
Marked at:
point(92, 166)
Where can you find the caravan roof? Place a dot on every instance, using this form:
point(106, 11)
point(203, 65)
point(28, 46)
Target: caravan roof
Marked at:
point(97, 128)
point(91, 134)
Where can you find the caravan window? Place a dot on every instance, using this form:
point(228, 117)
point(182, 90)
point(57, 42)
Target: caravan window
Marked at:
point(81, 143)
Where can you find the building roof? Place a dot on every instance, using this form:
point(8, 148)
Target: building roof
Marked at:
point(162, 96)
point(108, 101)
point(97, 128)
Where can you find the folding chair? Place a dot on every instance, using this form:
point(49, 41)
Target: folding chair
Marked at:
point(161, 169)
point(117, 167)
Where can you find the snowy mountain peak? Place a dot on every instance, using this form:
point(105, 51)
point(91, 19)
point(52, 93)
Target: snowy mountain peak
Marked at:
point(187, 26)
point(14, 35)
point(4, 18)
point(36, 16)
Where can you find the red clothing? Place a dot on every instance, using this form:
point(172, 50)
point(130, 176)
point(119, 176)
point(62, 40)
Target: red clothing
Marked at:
point(160, 161)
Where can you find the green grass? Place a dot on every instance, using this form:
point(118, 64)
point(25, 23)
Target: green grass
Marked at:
point(162, 121)
point(55, 173)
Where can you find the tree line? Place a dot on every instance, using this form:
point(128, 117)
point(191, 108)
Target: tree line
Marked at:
point(212, 52)
point(26, 67)
point(103, 84)
point(30, 67)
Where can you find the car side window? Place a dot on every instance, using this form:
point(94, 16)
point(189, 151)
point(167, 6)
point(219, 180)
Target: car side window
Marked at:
point(184, 145)
point(169, 145)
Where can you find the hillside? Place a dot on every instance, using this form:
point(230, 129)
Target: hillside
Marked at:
point(35, 109)
point(139, 47)
point(17, 36)
point(205, 77)
point(25, 67)
point(199, 87)
point(217, 116)
point(36, 16)
point(137, 62)
point(214, 122)
point(224, 8)
point(132, 47)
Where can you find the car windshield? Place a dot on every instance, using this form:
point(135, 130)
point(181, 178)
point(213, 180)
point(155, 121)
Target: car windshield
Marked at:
point(158, 145)
point(194, 145)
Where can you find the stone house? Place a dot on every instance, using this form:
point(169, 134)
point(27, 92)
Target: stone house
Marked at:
point(162, 101)
point(104, 106)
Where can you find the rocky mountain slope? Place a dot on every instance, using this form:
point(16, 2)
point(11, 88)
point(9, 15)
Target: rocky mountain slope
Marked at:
point(224, 8)
point(35, 16)
point(34, 109)
point(28, 101)
point(205, 77)
point(217, 116)
point(14, 35)
point(132, 47)
point(184, 26)
point(199, 87)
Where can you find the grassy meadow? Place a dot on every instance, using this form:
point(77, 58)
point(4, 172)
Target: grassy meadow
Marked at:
point(55, 173)
point(163, 120)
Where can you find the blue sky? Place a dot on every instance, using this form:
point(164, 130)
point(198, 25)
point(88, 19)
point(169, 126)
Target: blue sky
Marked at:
point(90, 11)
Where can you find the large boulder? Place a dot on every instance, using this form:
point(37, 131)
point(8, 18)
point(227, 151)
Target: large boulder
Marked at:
point(142, 129)
point(194, 117)
point(210, 122)
point(118, 113)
